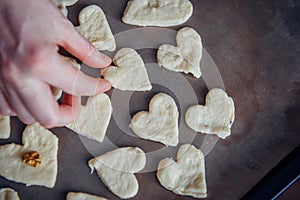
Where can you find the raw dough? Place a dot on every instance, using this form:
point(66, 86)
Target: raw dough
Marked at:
point(186, 56)
point(186, 176)
point(216, 117)
point(4, 127)
point(62, 5)
point(160, 123)
point(95, 28)
point(130, 72)
point(82, 196)
point(116, 170)
point(35, 138)
point(157, 12)
point(94, 118)
point(58, 92)
point(8, 194)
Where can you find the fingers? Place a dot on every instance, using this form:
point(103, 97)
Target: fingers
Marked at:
point(4, 107)
point(21, 111)
point(73, 81)
point(43, 106)
point(78, 46)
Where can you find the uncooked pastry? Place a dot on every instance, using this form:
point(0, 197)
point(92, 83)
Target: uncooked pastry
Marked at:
point(62, 5)
point(186, 176)
point(116, 170)
point(58, 92)
point(95, 28)
point(186, 56)
point(35, 138)
point(157, 12)
point(4, 127)
point(8, 194)
point(82, 196)
point(94, 118)
point(160, 123)
point(216, 117)
point(130, 73)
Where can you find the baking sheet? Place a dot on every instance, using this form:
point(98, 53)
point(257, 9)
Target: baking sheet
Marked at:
point(250, 50)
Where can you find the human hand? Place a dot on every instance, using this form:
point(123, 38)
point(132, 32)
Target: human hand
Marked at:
point(30, 33)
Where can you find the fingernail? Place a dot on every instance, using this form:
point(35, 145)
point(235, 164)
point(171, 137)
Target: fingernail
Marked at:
point(100, 57)
point(103, 85)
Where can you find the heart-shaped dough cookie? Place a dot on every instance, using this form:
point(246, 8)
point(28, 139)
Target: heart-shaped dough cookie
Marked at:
point(186, 176)
point(82, 196)
point(8, 194)
point(157, 12)
point(62, 5)
point(160, 124)
point(94, 118)
point(56, 91)
point(186, 56)
point(216, 117)
point(116, 170)
point(130, 73)
point(4, 127)
point(95, 28)
point(35, 138)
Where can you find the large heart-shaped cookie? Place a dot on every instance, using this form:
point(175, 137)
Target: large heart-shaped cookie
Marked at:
point(130, 73)
point(95, 28)
point(8, 194)
point(35, 139)
point(216, 117)
point(116, 170)
point(160, 124)
point(82, 196)
point(186, 176)
point(62, 5)
point(94, 118)
point(157, 12)
point(186, 56)
point(4, 127)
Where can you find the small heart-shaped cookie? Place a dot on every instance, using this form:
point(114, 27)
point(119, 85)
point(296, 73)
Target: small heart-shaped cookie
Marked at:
point(186, 56)
point(56, 91)
point(116, 170)
point(62, 5)
point(160, 124)
point(130, 73)
point(83, 196)
point(4, 127)
point(157, 12)
point(216, 117)
point(8, 194)
point(35, 139)
point(95, 28)
point(186, 176)
point(94, 118)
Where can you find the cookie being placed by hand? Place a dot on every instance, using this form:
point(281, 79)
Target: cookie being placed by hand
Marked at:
point(157, 12)
point(216, 117)
point(130, 73)
point(116, 170)
point(186, 175)
point(186, 56)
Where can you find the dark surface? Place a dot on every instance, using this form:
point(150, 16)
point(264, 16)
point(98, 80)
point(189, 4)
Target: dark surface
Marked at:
point(256, 47)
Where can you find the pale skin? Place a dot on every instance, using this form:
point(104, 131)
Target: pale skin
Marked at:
point(31, 31)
